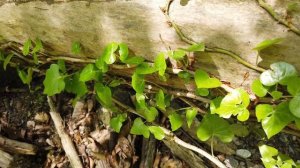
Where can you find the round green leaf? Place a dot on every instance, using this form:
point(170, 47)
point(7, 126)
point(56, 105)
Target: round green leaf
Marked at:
point(215, 104)
point(117, 122)
point(214, 126)
point(202, 91)
point(190, 114)
point(75, 86)
point(279, 73)
point(104, 94)
point(276, 94)
point(204, 81)
point(138, 82)
point(177, 54)
point(144, 68)
point(160, 64)
point(294, 106)
point(157, 132)
point(293, 85)
point(258, 88)
point(100, 64)
point(267, 151)
point(54, 82)
point(239, 130)
point(134, 60)
point(89, 72)
point(150, 114)
point(262, 111)
point(176, 121)
point(139, 128)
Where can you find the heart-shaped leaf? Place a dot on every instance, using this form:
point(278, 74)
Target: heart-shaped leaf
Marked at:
point(138, 82)
point(239, 130)
point(280, 72)
point(160, 100)
point(62, 65)
point(186, 76)
point(117, 122)
point(235, 103)
point(134, 60)
point(214, 126)
point(54, 82)
point(267, 43)
point(104, 94)
point(38, 46)
point(176, 121)
point(293, 86)
point(157, 132)
point(190, 115)
point(202, 91)
point(7, 60)
point(215, 104)
point(144, 68)
point(123, 51)
point(274, 121)
point(75, 86)
point(258, 88)
point(177, 54)
point(90, 72)
point(160, 64)
point(139, 128)
point(109, 53)
point(204, 81)
point(140, 99)
point(294, 106)
point(150, 114)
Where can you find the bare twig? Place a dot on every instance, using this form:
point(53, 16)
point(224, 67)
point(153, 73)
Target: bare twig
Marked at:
point(66, 141)
point(17, 147)
point(282, 21)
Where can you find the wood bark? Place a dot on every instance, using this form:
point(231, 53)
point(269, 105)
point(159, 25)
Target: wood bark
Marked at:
point(5, 159)
point(236, 25)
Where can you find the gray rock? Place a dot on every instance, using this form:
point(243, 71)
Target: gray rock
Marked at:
point(244, 153)
point(230, 162)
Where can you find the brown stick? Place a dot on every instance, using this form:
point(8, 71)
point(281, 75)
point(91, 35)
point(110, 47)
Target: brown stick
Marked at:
point(5, 159)
point(14, 146)
point(66, 141)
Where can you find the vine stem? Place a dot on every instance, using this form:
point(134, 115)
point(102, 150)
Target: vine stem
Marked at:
point(282, 21)
point(177, 140)
point(188, 40)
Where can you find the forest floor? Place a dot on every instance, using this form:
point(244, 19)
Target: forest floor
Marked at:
point(24, 116)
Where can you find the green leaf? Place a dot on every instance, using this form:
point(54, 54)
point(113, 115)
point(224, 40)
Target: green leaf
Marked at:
point(297, 122)
point(7, 60)
point(277, 119)
point(23, 76)
point(150, 114)
point(109, 53)
point(144, 69)
point(235, 103)
point(90, 72)
point(267, 151)
point(186, 76)
point(215, 104)
point(190, 115)
point(138, 82)
point(75, 86)
point(239, 130)
point(123, 51)
point(262, 111)
point(276, 94)
point(280, 72)
point(294, 106)
point(202, 91)
point(160, 100)
point(104, 94)
point(258, 88)
point(139, 128)
point(117, 122)
point(293, 86)
point(26, 47)
point(54, 82)
point(76, 47)
point(134, 60)
point(176, 121)
point(267, 43)
point(157, 132)
point(177, 54)
point(100, 64)
point(214, 126)
point(140, 99)
point(195, 47)
point(204, 81)
point(38, 46)
point(62, 66)
point(35, 58)
point(115, 83)
point(160, 64)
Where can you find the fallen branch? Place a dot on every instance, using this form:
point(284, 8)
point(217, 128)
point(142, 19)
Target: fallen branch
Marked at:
point(5, 159)
point(282, 21)
point(17, 147)
point(66, 141)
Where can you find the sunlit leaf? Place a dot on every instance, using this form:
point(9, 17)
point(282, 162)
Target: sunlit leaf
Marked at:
point(101, 64)
point(202, 91)
point(38, 46)
point(75, 86)
point(150, 114)
point(139, 128)
point(160, 64)
point(294, 106)
point(115, 83)
point(90, 72)
point(109, 53)
point(258, 88)
point(280, 72)
point(293, 85)
point(138, 82)
point(104, 94)
point(134, 60)
point(204, 81)
point(267, 43)
point(145, 68)
point(177, 54)
point(117, 122)
point(54, 82)
point(214, 126)
point(62, 66)
point(157, 132)
point(190, 115)
point(160, 100)
point(76, 47)
point(123, 52)
point(276, 94)
point(195, 47)
point(26, 47)
point(176, 121)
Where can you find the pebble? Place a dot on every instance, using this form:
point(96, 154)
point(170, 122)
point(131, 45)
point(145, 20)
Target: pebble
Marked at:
point(244, 153)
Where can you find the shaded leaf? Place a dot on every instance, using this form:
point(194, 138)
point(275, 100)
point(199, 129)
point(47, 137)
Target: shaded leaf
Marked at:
point(202, 91)
point(100, 64)
point(239, 130)
point(134, 60)
point(62, 66)
point(38, 46)
point(144, 68)
point(276, 94)
point(76, 47)
point(157, 132)
point(160, 64)
point(190, 115)
point(117, 122)
point(75, 86)
point(7, 60)
point(293, 85)
point(115, 83)
point(104, 94)
point(214, 126)
point(294, 106)
point(258, 88)
point(160, 100)
point(89, 72)
point(176, 121)
point(54, 82)
point(138, 82)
